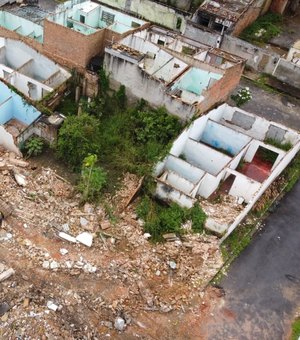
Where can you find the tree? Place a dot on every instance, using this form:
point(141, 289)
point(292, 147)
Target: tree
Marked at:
point(92, 180)
point(78, 137)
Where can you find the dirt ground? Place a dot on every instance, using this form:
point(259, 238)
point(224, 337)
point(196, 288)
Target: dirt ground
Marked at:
point(122, 286)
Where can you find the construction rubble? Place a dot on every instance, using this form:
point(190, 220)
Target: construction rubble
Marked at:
point(72, 271)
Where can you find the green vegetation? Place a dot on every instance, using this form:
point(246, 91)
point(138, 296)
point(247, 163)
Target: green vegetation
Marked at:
point(296, 329)
point(34, 146)
point(124, 139)
point(160, 219)
point(242, 96)
point(78, 137)
point(283, 146)
point(263, 29)
point(263, 83)
point(92, 180)
point(292, 173)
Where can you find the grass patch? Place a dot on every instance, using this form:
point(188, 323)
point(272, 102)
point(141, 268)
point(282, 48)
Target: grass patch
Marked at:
point(296, 329)
point(263, 29)
point(283, 146)
point(292, 173)
point(161, 219)
point(68, 106)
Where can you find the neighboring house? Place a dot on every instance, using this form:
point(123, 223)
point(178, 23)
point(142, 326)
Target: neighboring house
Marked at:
point(28, 71)
point(225, 153)
point(72, 35)
point(173, 71)
point(215, 18)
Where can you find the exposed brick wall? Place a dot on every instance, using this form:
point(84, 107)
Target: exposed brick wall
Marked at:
point(221, 89)
point(71, 48)
point(278, 6)
point(246, 19)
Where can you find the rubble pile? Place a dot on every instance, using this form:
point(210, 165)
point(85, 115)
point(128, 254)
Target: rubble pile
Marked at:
point(89, 272)
point(223, 211)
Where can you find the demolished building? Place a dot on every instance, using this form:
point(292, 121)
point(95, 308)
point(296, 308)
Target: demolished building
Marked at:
point(173, 71)
point(28, 71)
point(227, 152)
point(213, 19)
point(20, 120)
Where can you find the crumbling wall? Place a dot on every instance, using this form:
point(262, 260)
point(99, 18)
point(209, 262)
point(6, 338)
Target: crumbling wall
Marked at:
point(152, 11)
point(140, 85)
point(220, 90)
point(256, 57)
point(7, 141)
point(288, 72)
point(202, 34)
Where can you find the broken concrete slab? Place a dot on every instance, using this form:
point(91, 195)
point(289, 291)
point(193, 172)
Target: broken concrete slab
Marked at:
point(85, 238)
point(6, 274)
point(67, 237)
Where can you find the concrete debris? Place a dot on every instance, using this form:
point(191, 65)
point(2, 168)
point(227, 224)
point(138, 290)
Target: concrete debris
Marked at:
point(63, 251)
point(119, 324)
point(6, 274)
point(20, 179)
point(85, 238)
point(52, 306)
point(170, 237)
point(118, 273)
point(146, 236)
point(67, 237)
point(172, 264)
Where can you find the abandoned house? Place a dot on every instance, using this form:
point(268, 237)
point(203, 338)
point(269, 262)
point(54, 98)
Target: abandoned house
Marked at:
point(72, 35)
point(213, 19)
point(28, 71)
point(20, 120)
point(15, 118)
point(172, 71)
point(228, 152)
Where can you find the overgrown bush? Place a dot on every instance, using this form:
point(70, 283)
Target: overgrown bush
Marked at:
point(78, 137)
point(160, 219)
point(263, 29)
point(34, 146)
point(92, 180)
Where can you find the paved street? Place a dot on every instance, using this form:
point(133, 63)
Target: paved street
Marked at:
point(263, 284)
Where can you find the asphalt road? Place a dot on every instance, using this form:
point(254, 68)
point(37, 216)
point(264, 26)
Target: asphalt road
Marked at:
point(263, 284)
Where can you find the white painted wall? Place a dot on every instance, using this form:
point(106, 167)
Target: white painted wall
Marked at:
point(185, 169)
point(244, 186)
point(275, 173)
point(219, 136)
point(7, 141)
point(205, 157)
point(209, 184)
point(171, 195)
point(176, 181)
point(140, 85)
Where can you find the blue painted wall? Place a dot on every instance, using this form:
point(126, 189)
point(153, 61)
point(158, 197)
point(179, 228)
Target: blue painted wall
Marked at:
point(15, 107)
point(222, 137)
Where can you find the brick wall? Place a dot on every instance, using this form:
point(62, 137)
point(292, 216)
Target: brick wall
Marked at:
point(71, 48)
point(246, 19)
point(221, 89)
point(278, 6)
